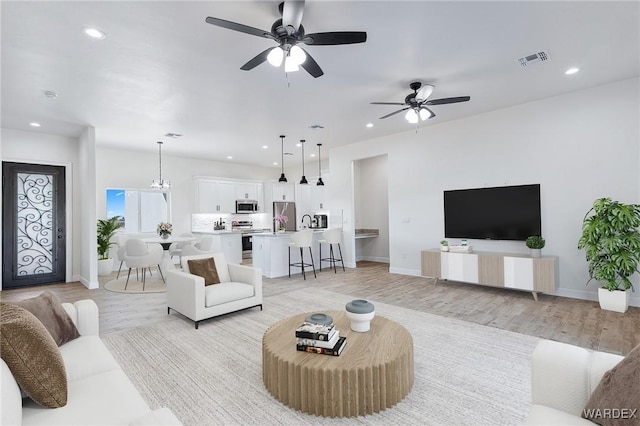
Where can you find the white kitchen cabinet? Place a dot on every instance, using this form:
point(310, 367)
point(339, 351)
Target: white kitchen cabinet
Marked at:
point(247, 191)
point(215, 196)
point(283, 192)
point(318, 198)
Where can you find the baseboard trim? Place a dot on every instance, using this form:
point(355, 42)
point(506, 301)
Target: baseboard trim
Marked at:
point(592, 296)
point(405, 271)
point(86, 283)
point(373, 259)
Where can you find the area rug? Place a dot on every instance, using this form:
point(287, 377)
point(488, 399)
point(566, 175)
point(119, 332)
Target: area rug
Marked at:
point(153, 284)
point(465, 374)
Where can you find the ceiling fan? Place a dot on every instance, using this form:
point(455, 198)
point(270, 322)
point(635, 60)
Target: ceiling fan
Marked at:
point(289, 32)
point(416, 103)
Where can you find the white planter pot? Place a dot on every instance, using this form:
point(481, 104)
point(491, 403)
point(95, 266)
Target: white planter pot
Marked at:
point(617, 301)
point(536, 252)
point(444, 248)
point(105, 266)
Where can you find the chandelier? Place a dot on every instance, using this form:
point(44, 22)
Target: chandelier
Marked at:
point(159, 183)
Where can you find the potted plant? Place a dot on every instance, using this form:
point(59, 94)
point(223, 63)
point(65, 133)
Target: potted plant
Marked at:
point(444, 245)
point(611, 241)
point(106, 230)
point(536, 244)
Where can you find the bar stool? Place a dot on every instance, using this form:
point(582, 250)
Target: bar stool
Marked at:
point(301, 240)
point(331, 236)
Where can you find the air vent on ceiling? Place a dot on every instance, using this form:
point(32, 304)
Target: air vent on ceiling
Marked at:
point(541, 56)
point(316, 127)
point(173, 135)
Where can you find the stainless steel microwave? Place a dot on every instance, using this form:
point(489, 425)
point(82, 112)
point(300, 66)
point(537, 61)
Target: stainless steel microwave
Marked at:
point(246, 206)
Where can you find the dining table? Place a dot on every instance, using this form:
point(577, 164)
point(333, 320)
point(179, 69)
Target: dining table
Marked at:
point(166, 243)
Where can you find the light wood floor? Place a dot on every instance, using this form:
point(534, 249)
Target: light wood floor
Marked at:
point(572, 321)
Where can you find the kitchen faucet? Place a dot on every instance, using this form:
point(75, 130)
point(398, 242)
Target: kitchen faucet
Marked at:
point(302, 221)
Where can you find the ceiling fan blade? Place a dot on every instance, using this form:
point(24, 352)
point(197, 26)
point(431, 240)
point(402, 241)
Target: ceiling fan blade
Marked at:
point(257, 60)
point(394, 113)
point(311, 66)
point(239, 27)
point(424, 92)
point(387, 103)
point(292, 14)
point(448, 100)
point(336, 37)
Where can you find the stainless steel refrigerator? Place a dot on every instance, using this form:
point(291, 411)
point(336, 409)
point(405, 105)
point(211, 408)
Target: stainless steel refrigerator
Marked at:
point(287, 209)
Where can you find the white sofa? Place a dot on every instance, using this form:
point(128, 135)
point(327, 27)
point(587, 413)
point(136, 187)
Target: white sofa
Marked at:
point(240, 288)
point(99, 392)
point(562, 379)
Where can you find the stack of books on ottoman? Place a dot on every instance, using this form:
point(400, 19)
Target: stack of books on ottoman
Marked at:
point(319, 338)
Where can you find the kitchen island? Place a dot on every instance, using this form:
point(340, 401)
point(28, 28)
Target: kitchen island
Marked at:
point(227, 242)
point(271, 254)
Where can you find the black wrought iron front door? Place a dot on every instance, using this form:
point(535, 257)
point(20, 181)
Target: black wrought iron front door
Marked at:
point(33, 224)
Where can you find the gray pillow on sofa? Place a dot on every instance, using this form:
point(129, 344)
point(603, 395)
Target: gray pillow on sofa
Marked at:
point(48, 309)
point(616, 400)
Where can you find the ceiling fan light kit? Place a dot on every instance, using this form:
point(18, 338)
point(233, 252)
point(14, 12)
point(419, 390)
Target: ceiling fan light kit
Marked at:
point(416, 103)
point(288, 32)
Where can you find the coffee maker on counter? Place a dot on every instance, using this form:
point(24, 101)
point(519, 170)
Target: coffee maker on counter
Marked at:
point(320, 221)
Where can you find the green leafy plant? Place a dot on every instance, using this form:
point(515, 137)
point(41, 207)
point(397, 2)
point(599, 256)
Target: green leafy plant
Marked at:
point(535, 242)
point(106, 230)
point(444, 243)
point(611, 241)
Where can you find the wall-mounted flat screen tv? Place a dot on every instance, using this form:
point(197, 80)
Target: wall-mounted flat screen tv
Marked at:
point(499, 213)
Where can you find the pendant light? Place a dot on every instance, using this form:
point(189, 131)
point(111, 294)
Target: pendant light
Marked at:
point(283, 178)
point(320, 182)
point(159, 183)
point(303, 181)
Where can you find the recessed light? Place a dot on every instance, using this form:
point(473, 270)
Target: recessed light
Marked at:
point(229, 157)
point(94, 33)
point(275, 163)
point(312, 155)
point(369, 125)
point(265, 146)
point(572, 71)
point(34, 124)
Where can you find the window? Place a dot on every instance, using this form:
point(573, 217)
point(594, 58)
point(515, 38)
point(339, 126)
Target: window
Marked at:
point(141, 209)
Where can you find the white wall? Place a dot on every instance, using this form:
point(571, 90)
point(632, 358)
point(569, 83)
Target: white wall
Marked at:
point(40, 148)
point(579, 146)
point(371, 200)
point(86, 181)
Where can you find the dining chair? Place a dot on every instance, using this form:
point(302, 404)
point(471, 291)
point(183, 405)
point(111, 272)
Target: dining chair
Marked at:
point(139, 254)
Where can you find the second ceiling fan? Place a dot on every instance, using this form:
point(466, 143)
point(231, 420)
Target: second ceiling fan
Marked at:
point(416, 103)
point(288, 32)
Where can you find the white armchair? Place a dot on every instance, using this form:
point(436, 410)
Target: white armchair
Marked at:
point(139, 254)
point(563, 377)
point(240, 288)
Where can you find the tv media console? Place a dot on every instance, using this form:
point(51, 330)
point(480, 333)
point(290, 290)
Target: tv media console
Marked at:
point(507, 270)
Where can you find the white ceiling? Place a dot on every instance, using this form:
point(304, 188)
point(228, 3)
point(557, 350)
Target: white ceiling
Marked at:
point(163, 69)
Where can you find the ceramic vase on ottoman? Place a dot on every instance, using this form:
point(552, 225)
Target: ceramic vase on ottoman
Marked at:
point(360, 313)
